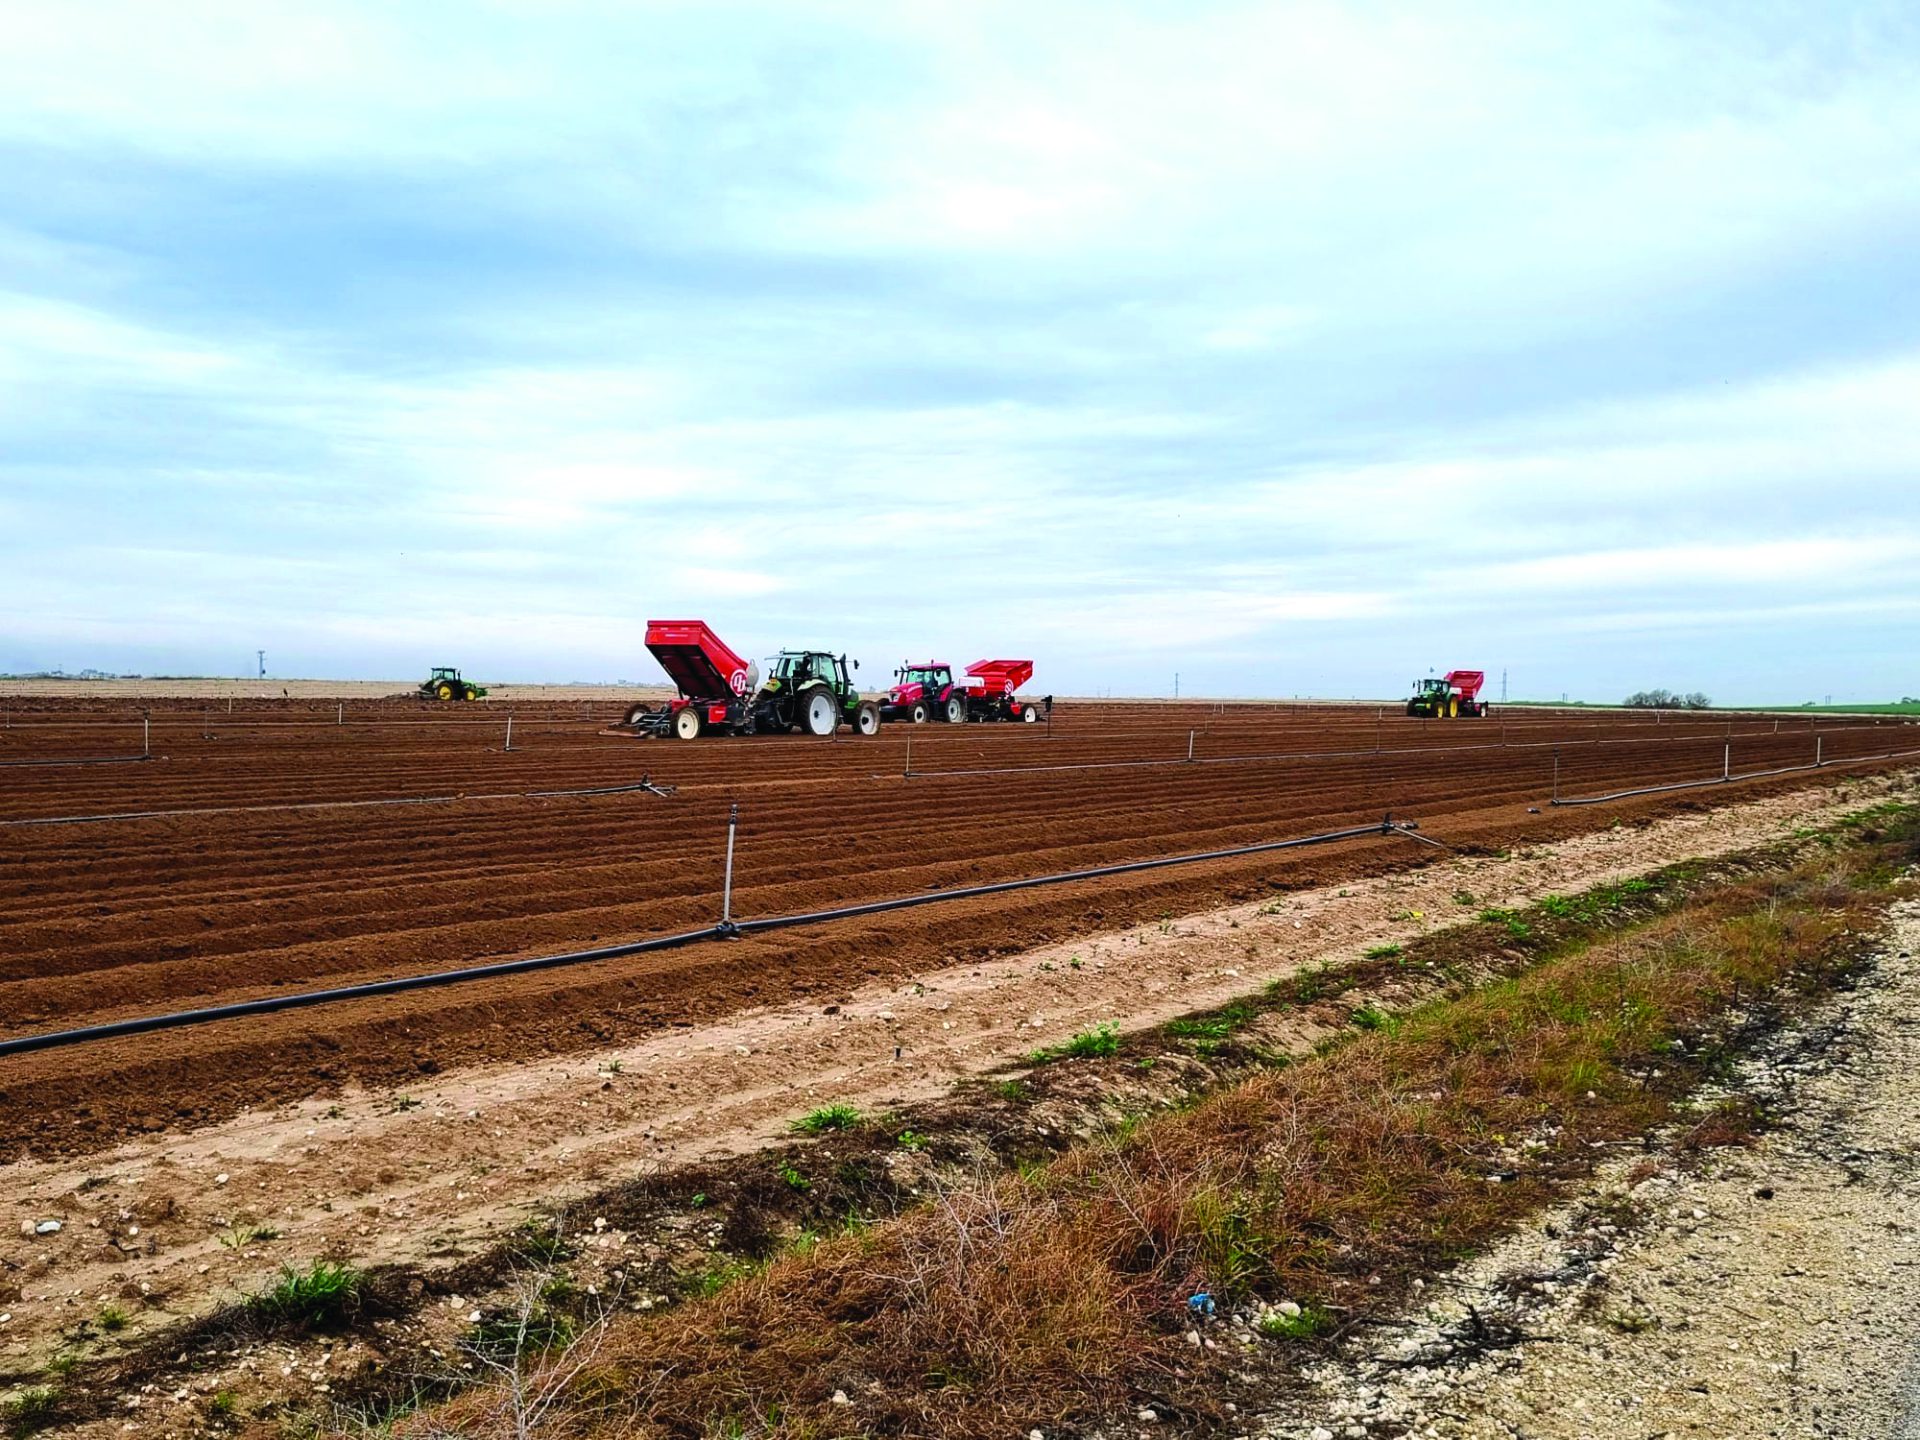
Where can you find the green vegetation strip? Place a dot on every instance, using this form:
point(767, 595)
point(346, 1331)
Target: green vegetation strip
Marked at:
point(1329, 1184)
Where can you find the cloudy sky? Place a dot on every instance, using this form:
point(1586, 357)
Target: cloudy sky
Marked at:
point(1298, 348)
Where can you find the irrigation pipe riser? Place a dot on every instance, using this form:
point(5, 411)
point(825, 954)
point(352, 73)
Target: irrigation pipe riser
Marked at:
point(726, 892)
point(727, 930)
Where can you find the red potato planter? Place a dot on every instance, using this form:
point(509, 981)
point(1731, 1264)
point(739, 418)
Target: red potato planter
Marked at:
point(806, 690)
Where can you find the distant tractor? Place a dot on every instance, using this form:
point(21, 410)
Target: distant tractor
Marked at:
point(445, 684)
point(810, 691)
point(1457, 693)
point(928, 691)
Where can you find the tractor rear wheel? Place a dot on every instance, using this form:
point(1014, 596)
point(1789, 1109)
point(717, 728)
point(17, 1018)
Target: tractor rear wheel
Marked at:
point(920, 713)
point(444, 691)
point(1030, 715)
point(819, 715)
point(956, 710)
point(687, 724)
point(1453, 709)
point(866, 718)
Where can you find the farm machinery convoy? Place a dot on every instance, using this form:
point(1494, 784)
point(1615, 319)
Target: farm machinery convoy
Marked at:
point(811, 691)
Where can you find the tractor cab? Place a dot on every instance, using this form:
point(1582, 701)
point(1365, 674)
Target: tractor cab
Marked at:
point(924, 690)
point(938, 676)
point(797, 669)
point(921, 681)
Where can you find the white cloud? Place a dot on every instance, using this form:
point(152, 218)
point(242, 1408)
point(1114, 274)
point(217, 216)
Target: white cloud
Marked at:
point(1336, 333)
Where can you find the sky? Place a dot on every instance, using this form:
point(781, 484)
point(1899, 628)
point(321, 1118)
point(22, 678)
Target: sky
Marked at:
point(1288, 348)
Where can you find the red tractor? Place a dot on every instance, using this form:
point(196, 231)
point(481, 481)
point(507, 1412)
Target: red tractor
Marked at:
point(1457, 694)
point(806, 690)
point(929, 691)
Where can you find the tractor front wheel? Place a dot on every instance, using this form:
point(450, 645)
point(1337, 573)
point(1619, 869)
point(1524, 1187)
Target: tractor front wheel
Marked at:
point(920, 713)
point(687, 724)
point(818, 712)
point(866, 718)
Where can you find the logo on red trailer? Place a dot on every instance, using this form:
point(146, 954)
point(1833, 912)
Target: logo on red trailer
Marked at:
point(738, 682)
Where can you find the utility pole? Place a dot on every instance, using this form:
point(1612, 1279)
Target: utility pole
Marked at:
point(262, 655)
point(1176, 684)
point(1503, 685)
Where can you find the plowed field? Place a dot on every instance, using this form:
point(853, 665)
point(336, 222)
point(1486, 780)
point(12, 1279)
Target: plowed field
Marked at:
point(274, 848)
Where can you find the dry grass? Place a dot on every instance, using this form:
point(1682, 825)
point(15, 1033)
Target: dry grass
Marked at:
point(1013, 1302)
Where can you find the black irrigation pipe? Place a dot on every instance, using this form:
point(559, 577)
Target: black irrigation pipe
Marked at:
point(89, 760)
point(645, 784)
point(1730, 779)
point(725, 930)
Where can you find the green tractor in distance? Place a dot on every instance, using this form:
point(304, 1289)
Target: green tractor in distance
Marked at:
point(445, 684)
point(1445, 698)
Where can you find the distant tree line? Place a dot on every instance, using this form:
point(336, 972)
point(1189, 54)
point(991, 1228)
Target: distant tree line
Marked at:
point(1667, 700)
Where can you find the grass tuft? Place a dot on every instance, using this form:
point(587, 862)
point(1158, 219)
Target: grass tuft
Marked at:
point(326, 1293)
point(1100, 1041)
point(1278, 1325)
point(838, 1116)
point(31, 1410)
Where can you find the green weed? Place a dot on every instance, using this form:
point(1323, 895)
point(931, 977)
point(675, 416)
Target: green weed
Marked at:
point(838, 1116)
point(323, 1294)
point(793, 1178)
point(1101, 1040)
point(1311, 1321)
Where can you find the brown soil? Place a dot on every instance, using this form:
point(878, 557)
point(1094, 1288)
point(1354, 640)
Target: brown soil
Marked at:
point(448, 1170)
point(289, 886)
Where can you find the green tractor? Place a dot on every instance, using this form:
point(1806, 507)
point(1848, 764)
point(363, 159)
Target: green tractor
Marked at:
point(811, 691)
point(445, 684)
